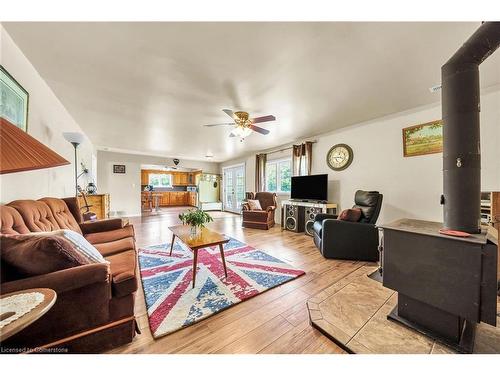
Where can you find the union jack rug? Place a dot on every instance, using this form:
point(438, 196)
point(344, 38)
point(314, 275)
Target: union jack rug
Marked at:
point(171, 301)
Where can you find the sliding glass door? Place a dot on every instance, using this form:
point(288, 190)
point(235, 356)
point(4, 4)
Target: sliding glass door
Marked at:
point(234, 187)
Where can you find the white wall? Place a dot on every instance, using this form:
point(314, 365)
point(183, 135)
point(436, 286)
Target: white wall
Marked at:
point(411, 186)
point(47, 119)
point(125, 189)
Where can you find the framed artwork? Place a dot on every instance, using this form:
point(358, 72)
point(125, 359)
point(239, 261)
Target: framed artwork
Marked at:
point(13, 100)
point(423, 139)
point(118, 168)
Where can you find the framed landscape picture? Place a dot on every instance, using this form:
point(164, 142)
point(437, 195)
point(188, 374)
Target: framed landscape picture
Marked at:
point(423, 139)
point(13, 100)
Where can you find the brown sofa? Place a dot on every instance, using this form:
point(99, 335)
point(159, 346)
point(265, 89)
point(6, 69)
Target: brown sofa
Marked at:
point(94, 310)
point(260, 219)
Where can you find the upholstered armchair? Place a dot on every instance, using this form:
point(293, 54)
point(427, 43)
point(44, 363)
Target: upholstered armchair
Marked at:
point(340, 239)
point(259, 219)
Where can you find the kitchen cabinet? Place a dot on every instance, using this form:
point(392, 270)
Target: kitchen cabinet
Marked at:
point(177, 198)
point(182, 198)
point(192, 198)
point(184, 178)
point(180, 179)
point(176, 179)
point(173, 198)
point(197, 177)
point(144, 177)
point(165, 198)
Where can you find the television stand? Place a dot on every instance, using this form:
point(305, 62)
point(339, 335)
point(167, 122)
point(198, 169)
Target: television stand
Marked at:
point(307, 201)
point(325, 206)
point(298, 215)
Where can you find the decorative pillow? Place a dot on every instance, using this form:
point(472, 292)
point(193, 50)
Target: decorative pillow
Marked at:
point(36, 254)
point(254, 204)
point(351, 214)
point(81, 245)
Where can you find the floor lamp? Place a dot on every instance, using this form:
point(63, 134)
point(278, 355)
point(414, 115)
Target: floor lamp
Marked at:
point(75, 139)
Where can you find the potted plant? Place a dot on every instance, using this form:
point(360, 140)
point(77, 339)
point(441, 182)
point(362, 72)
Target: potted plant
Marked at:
point(196, 219)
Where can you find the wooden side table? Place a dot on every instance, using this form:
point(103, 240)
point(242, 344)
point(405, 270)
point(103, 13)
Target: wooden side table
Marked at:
point(99, 204)
point(49, 298)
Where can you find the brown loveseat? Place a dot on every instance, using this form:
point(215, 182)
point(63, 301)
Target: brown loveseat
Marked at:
point(94, 310)
point(260, 219)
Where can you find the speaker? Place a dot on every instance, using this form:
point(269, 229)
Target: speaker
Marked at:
point(310, 214)
point(294, 218)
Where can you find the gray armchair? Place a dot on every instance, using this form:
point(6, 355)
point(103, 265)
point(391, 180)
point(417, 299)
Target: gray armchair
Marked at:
point(339, 239)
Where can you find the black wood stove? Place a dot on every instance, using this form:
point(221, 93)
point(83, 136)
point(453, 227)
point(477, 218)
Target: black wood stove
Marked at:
point(446, 285)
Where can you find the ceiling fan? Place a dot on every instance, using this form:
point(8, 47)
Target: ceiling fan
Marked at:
point(243, 125)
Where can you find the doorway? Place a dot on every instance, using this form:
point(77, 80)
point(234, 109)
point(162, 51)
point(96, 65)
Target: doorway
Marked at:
point(234, 187)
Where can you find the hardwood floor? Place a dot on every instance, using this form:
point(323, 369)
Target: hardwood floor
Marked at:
point(275, 321)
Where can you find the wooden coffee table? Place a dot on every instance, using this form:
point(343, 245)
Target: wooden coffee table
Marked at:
point(204, 238)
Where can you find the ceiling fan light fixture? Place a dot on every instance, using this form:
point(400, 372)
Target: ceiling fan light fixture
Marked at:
point(241, 131)
point(244, 124)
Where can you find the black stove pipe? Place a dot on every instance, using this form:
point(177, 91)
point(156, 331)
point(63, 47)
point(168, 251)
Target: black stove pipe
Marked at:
point(461, 142)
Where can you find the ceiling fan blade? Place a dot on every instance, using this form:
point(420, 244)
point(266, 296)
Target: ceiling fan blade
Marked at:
point(259, 129)
point(229, 113)
point(263, 119)
point(222, 124)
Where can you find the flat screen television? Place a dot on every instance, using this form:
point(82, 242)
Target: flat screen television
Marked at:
point(313, 187)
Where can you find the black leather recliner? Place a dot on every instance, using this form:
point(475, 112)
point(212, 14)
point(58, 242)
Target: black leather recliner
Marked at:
point(339, 239)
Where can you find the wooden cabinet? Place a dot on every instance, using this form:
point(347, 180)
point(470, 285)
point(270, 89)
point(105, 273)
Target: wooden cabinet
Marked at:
point(144, 177)
point(174, 200)
point(165, 198)
point(178, 198)
point(99, 204)
point(184, 178)
point(192, 198)
point(178, 178)
point(149, 198)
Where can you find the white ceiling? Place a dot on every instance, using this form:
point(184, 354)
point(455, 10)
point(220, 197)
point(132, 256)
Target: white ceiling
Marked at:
point(149, 87)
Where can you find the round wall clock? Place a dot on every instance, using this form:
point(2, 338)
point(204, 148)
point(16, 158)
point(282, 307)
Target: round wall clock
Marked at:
point(339, 157)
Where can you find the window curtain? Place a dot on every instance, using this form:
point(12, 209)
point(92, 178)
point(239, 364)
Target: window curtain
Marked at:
point(302, 159)
point(260, 172)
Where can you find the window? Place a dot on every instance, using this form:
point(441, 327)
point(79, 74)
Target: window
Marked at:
point(278, 175)
point(160, 180)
